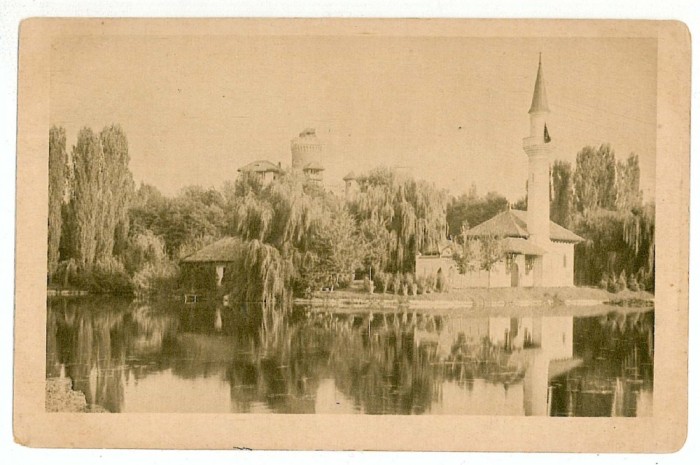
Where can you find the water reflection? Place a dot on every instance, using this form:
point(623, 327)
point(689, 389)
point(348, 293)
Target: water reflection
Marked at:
point(170, 357)
point(618, 377)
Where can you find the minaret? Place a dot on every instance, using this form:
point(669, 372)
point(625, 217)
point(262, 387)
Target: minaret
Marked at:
point(539, 149)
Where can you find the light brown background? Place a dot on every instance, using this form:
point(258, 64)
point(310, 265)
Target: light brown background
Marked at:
point(664, 431)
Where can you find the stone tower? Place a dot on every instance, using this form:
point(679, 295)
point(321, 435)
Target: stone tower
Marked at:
point(538, 147)
point(307, 154)
point(351, 187)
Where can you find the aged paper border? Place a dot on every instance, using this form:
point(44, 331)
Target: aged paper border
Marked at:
point(664, 432)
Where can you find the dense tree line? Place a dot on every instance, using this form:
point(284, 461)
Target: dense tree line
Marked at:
point(601, 201)
point(92, 188)
point(105, 235)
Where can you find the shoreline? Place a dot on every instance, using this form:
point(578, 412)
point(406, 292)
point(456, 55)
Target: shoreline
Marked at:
point(53, 292)
point(475, 300)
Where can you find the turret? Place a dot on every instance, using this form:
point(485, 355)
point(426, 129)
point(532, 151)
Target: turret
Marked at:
point(350, 186)
point(307, 155)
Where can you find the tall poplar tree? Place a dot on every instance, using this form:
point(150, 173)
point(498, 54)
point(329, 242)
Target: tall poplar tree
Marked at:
point(102, 187)
point(58, 159)
point(628, 194)
point(86, 196)
point(562, 193)
point(118, 190)
point(594, 180)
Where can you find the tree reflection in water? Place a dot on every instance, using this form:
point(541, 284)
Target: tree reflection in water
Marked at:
point(617, 376)
point(304, 361)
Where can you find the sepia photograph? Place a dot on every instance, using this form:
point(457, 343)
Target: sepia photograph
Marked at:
point(269, 219)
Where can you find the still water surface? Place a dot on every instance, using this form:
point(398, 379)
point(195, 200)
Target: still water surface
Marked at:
point(132, 356)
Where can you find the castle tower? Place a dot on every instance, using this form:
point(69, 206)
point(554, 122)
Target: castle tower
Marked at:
point(350, 186)
point(307, 154)
point(539, 148)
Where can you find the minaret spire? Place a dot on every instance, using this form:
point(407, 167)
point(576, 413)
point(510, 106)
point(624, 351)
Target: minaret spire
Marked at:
point(539, 96)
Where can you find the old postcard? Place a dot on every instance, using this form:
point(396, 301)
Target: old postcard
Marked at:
point(352, 234)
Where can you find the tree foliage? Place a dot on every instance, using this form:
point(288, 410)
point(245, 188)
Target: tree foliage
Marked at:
point(118, 190)
point(311, 230)
point(375, 240)
point(490, 253)
point(562, 203)
point(610, 215)
point(194, 217)
point(100, 194)
point(86, 197)
point(629, 195)
point(411, 211)
point(470, 210)
point(58, 165)
point(464, 256)
point(338, 248)
point(616, 242)
point(594, 179)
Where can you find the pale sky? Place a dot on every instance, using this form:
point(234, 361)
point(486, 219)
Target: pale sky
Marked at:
point(454, 109)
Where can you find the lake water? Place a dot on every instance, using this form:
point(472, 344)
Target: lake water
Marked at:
point(132, 356)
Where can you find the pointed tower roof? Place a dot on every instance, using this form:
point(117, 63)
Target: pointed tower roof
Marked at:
point(539, 97)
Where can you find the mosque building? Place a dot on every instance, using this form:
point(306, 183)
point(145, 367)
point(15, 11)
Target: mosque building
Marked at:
point(537, 251)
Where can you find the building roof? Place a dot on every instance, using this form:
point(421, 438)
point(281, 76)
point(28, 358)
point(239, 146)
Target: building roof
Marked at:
point(350, 176)
point(521, 246)
point(539, 97)
point(513, 223)
point(314, 166)
point(223, 250)
point(260, 166)
point(505, 224)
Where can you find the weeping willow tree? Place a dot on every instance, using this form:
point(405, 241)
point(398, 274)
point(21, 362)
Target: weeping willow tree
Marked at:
point(281, 214)
point(266, 279)
point(412, 212)
point(616, 242)
point(299, 237)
